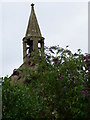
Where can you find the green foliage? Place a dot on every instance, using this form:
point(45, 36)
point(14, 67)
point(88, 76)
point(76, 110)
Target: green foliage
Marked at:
point(56, 90)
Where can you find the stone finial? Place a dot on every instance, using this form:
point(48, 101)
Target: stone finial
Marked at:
point(32, 5)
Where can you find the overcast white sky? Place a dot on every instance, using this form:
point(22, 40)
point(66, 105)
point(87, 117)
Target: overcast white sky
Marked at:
point(61, 24)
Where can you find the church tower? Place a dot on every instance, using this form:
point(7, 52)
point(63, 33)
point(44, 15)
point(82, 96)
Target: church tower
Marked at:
point(33, 40)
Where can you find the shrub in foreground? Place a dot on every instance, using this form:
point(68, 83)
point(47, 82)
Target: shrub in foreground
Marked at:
point(58, 90)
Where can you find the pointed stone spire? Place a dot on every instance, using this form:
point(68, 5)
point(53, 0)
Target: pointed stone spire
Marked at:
point(33, 27)
point(33, 40)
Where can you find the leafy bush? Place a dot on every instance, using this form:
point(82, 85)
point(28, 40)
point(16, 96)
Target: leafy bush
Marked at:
point(58, 89)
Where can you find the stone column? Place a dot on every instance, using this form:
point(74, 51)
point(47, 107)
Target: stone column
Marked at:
point(42, 48)
point(35, 45)
point(24, 51)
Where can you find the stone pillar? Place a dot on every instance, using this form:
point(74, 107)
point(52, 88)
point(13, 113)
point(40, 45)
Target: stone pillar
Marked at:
point(42, 48)
point(24, 51)
point(35, 45)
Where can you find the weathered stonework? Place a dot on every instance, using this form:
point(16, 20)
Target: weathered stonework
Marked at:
point(32, 37)
point(31, 42)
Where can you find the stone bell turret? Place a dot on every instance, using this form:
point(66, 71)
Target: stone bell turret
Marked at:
point(33, 40)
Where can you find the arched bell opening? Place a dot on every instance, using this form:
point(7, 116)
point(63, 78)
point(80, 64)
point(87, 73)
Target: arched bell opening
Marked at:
point(29, 47)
